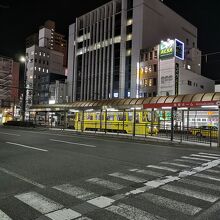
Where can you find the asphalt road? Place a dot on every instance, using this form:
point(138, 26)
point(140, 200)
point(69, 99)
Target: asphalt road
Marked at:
point(62, 176)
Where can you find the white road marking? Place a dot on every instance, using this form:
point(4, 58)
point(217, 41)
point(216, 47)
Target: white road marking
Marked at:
point(101, 201)
point(204, 156)
point(63, 214)
point(105, 183)
point(72, 143)
point(213, 171)
point(147, 172)
point(161, 182)
point(131, 213)
point(167, 179)
point(186, 209)
point(176, 164)
point(207, 177)
point(217, 155)
point(39, 202)
point(195, 158)
point(3, 216)
point(188, 161)
point(25, 146)
point(128, 177)
point(190, 193)
point(162, 168)
point(22, 178)
point(76, 192)
point(201, 184)
point(17, 135)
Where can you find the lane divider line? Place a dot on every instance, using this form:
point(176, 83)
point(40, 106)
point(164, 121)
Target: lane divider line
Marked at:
point(18, 135)
point(22, 178)
point(25, 146)
point(72, 143)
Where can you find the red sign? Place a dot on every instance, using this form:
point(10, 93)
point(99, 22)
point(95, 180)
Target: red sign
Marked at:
point(182, 104)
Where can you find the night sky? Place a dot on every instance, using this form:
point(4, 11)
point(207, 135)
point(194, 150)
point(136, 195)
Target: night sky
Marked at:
point(18, 19)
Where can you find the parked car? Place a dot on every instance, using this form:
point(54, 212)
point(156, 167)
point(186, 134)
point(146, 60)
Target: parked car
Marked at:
point(205, 131)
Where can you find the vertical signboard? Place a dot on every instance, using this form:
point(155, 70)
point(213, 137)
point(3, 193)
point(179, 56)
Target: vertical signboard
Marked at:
point(179, 49)
point(177, 78)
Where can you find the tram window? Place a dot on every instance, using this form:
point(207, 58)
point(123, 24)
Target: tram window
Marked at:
point(110, 117)
point(120, 117)
point(98, 116)
point(137, 120)
point(89, 117)
point(130, 116)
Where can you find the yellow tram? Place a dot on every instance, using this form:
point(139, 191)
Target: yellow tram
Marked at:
point(120, 122)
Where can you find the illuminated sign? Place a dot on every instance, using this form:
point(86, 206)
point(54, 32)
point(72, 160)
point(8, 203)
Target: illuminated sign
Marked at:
point(171, 48)
point(166, 49)
point(179, 49)
point(176, 78)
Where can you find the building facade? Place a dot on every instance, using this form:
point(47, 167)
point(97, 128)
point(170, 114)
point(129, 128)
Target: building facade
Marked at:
point(9, 81)
point(48, 37)
point(105, 44)
point(41, 62)
point(171, 69)
point(58, 92)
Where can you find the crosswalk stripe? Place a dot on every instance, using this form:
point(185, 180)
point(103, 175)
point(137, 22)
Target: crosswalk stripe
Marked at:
point(3, 216)
point(201, 184)
point(39, 202)
point(128, 177)
point(187, 161)
point(76, 192)
point(204, 156)
point(131, 213)
point(217, 155)
point(190, 193)
point(162, 168)
point(205, 176)
point(101, 201)
point(105, 183)
point(186, 209)
point(63, 214)
point(195, 158)
point(175, 164)
point(147, 172)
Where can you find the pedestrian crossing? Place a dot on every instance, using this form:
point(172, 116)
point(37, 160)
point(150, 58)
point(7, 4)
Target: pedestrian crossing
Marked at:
point(160, 188)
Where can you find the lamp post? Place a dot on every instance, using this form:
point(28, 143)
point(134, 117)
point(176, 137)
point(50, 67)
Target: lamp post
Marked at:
point(24, 60)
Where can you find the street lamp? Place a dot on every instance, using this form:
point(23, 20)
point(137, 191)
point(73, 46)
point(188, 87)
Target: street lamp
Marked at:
point(23, 59)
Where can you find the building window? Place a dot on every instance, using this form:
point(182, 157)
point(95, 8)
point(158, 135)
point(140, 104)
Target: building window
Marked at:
point(155, 67)
point(187, 41)
point(189, 82)
point(155, 54)
point(151, 55)
point(202, 87)
point(154, 81)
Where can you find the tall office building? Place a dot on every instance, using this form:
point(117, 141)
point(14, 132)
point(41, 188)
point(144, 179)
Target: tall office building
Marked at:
point(45, 63)
point(48, 37)
point(9, 81)
point(105, 44)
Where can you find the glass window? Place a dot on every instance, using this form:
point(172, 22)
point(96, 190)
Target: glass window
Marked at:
point(155, 67)
point(120, 117)
point(189, 82)
point(110, 117)
point(155, 54)
point(151, 55)
point(130, 116)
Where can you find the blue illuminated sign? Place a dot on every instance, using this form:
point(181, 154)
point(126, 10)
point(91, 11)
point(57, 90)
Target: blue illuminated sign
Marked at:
point(179, 49)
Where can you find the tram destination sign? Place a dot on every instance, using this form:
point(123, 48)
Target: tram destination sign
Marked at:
point(182, 104)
